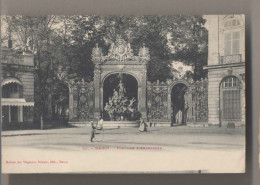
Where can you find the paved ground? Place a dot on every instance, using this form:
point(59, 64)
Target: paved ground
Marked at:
point(174, 149)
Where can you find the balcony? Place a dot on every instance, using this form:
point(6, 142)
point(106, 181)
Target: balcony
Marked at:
point(229, 59)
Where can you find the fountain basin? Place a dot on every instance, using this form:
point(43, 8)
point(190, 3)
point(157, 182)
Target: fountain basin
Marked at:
point(121, 124)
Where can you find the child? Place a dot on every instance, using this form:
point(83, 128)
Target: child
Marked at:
point(93, 130)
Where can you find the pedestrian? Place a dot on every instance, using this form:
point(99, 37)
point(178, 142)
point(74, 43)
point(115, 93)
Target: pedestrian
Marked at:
point(100, 123)
point(143, 126)
point(93, 130)
point(178, 117)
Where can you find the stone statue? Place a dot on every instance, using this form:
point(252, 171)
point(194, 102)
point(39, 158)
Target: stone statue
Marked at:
point(131, 102)
point(118, 106)
point(115, 94)
point(106, 108)
point(111, 51)
point(121, 89)
point(110, 101)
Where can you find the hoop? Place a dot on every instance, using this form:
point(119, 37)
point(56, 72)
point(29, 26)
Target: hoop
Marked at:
point(99, 135)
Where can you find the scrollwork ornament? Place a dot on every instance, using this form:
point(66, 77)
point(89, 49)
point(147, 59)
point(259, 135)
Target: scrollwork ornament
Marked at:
point(144, 54)
point(242, 76)
point(97, 56)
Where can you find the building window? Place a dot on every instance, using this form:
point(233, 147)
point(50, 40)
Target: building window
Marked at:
point(230, 98)
point(232, 23)
point(230, 82)
point(12, 90)
point(232, 43)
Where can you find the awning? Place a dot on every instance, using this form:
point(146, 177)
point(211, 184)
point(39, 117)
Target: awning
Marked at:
point(11, 80)
point(15, 102)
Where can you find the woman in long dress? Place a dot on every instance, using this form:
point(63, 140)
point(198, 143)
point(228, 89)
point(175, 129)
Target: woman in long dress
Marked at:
point(178, 117)
point(143, 126)
point(100, 123)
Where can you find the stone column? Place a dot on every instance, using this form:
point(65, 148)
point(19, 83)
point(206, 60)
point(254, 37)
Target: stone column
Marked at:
point(9, 113)
point(214, 108)
point(143, 94)
point(213, 40)
point(2, 114)
point(101, 97)
point(97, 73)
point(139, 92)
point(20, 108)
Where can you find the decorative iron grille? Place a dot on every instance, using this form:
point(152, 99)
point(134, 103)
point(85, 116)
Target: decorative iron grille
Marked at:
point(229, 59)
point(157, 101)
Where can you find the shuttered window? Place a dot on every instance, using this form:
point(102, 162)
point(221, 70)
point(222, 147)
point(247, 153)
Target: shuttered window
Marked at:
point(232, 43)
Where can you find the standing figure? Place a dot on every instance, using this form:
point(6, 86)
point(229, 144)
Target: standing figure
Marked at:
point(100, 123)
point(143, 126)
point(93, 130)
point(178, 117)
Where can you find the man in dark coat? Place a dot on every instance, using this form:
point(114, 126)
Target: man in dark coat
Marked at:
point(93, 130)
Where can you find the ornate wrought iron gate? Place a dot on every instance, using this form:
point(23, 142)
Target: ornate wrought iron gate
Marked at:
point(157, 101)
point(159, 108)
point(82, 104)
point(198, 101)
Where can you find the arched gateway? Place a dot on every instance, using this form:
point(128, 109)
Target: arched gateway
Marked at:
point(120, 60)
point(122, 76)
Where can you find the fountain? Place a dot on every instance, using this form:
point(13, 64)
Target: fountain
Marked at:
point(121, 111)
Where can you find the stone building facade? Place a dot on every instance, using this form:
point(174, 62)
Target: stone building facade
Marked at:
point(17, 83)
point(226, 70)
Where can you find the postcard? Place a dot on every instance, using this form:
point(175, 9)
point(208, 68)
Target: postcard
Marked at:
point(123, 94)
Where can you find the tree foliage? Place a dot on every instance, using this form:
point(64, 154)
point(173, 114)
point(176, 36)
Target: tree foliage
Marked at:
point(68, 41)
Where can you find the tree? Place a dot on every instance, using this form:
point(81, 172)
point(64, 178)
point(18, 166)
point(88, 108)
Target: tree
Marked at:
point(168, 38)
point(68, 41)
point(189, 40)
point(35, 34)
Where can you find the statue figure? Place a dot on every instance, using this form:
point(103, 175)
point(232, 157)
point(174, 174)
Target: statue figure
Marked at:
point(124, 100)
point(106, 108)
point(132, 101)
point(121, 89)
point(118, 106)
point(109, 110)
point(115, 94)
point(111, 51)
point(130, 54)
point(110, 101)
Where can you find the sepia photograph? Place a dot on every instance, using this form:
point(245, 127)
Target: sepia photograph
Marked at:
point(123, 94)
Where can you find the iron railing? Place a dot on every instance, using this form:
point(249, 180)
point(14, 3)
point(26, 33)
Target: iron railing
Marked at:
point(17, 60)
point(229, 59)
